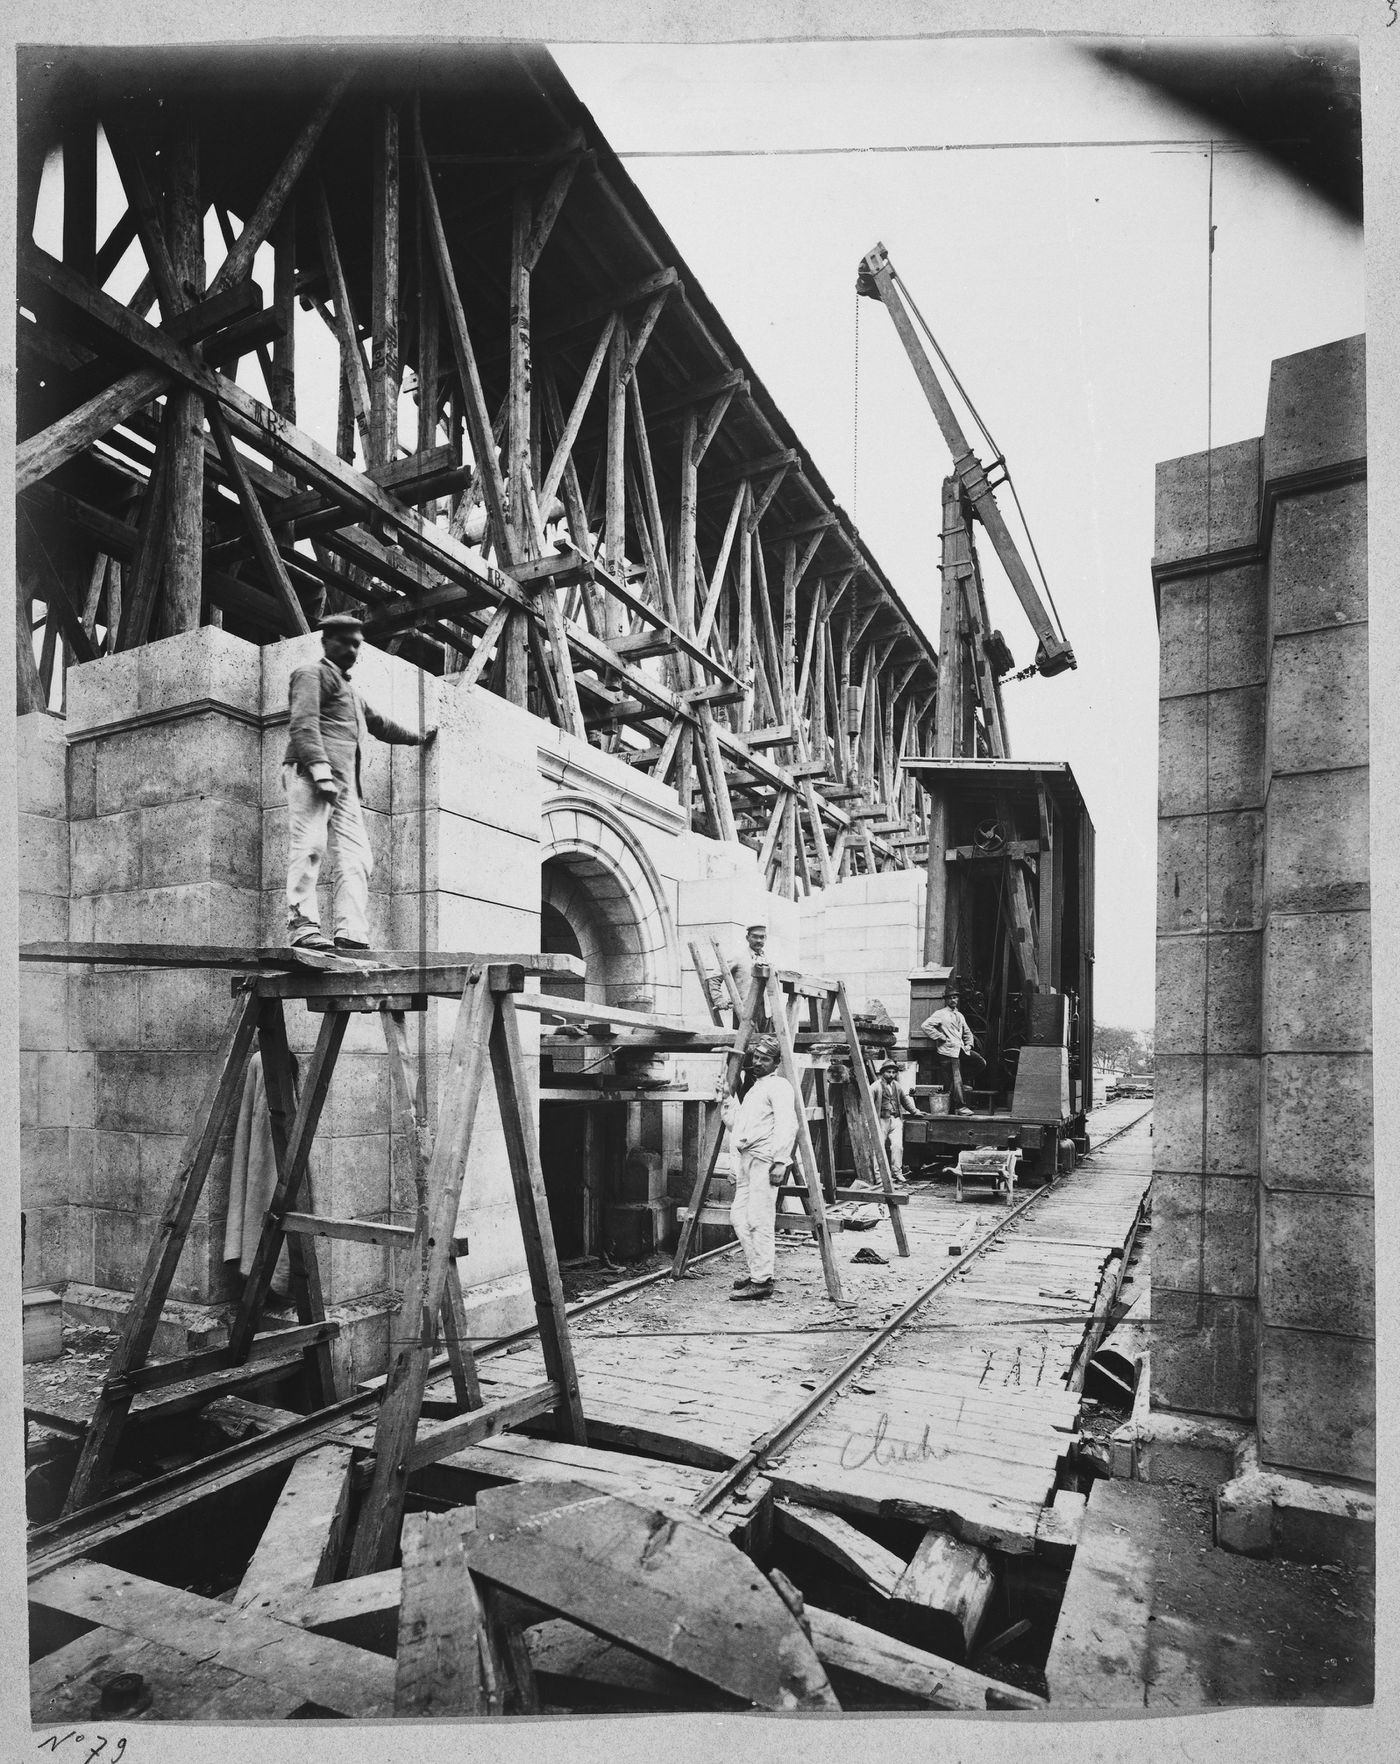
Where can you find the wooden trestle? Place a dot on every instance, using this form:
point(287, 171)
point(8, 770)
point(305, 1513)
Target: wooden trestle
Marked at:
point(486, 1032)
point(652, 562)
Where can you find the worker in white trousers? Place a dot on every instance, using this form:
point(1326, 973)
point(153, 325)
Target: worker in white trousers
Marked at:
point(763, 1131)
point(327, 725)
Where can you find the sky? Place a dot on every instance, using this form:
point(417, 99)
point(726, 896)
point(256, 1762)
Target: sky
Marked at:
point(1068, 287)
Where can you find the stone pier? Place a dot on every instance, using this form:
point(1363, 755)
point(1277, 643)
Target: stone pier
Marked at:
point(1263, 1251)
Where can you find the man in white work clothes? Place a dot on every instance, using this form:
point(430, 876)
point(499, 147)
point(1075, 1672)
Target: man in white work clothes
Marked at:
point(762, 1132)
point(948, 1029)
point(328, 722)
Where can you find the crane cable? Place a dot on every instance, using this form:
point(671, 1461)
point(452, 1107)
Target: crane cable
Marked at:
point(987, 435)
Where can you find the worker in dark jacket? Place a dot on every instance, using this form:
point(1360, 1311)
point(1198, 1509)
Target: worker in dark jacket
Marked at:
point(321, 777)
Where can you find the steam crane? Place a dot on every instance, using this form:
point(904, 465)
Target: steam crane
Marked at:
point(972, 657)
point(1011, 846)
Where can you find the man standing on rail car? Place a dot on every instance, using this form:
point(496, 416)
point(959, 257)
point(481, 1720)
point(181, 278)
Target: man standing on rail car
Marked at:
point(948, 1029)
point(321, 778)
point(763, 1132)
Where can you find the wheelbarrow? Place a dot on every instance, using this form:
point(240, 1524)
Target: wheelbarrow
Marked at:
point(987, 1164)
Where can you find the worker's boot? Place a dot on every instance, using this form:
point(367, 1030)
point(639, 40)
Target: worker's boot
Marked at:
point(754, 1289)
point(309, 937)
point(742, 1282)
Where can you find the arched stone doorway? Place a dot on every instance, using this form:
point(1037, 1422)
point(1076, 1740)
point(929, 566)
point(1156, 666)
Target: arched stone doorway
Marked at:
point(602, 899)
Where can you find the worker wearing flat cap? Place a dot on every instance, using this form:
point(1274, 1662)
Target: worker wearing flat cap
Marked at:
point(762, 1131)
point(753, 956)
point(892, 1103)
point(321, 778)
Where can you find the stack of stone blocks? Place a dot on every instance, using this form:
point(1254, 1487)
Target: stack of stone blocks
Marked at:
point(1263, 1252)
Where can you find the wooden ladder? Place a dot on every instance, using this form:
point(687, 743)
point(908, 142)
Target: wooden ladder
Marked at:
point(486, 1030)
point(785, 997)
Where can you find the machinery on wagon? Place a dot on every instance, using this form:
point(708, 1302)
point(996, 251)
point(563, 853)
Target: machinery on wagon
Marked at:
point(1009, 921)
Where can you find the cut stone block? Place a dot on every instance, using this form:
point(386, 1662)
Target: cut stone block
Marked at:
point(1204, 1353)
point(1319, 700)
point(1222, 853)
point(1319, 1262)
point(1236, 600)
point(101, 692)
point(43, 1162)
point(1211, 752)
point(148, 1090)
point(1205, 1233)
point(1229, 1144)
point(82, 779)
point(105, 1006)
point(205, 664)
point(1317, 408)
point(213, 840)
point(106, 853)
point(41, 854)
point(1317, 983)
point(1318, 842)
point(1318, 1122)
point(1317, 1403)
point(1317, 563)
point(1208, 991)
point(43, 1325)
point(205, 754)
point(1184, 529)
point(40, 764)
point(194, 912)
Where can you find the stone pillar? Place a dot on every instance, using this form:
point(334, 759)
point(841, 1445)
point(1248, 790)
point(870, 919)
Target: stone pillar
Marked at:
point(165, 848)
point(1212, 609)
point(56, 1245)
point(1263, 1253)
point(1317, 1292)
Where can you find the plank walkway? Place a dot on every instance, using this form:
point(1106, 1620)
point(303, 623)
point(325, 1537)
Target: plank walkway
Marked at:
point(961, 1418)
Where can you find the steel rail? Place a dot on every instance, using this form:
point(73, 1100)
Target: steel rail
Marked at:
point(787, 1430)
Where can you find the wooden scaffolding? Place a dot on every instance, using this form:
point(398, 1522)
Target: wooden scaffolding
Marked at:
point(486, 1033)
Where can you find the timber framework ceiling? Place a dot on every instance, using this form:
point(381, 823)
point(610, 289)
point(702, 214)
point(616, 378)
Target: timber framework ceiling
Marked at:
point(543, 461)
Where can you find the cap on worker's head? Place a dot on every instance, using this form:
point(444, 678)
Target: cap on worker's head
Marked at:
point(758, 925)
point(341, 622)
point(889, 1066)
point(764, 1049)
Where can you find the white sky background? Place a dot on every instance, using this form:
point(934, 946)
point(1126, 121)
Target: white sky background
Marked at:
point(1068, 289)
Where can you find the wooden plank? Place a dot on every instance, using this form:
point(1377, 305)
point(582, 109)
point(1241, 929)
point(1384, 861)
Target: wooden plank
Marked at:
point(38, 456)
point(580, 1663)
point(348, 1680)
point(381, 1511)
point(951, 1578)
point(437, 1439)
point(444, 981)
point(522, 1150)
point(66, 1686)
point(139, 1325)
point(300, 1545)
point(439, 1666)
point(348, 1230)
point(840, 1542)
point(239, 261)
point(865, 1653)
point(363, 1611)
point(663, 1585)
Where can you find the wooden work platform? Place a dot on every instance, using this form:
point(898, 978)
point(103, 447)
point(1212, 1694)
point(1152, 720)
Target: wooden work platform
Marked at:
point(961, 1418)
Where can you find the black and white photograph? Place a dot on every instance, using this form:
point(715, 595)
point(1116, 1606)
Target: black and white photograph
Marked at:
point(689, 1022)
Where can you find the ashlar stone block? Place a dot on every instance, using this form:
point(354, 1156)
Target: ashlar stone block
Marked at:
point(40, 764)
point(1317, 560)
point(1318, 1122)
point(1204, 1353)
point(1318, 841)
point(1317, 409)
point(1318, 1255)
point(1212, 631)
point(1317, 1403)
point(1205, 1233)
point(1191, 522)
point(1319, 701)
point(1317, 983)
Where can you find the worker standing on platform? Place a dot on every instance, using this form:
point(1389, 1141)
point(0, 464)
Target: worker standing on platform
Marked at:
point(763, 1132)
point(321, 778)
point(892, 1103)
point(752, 959)
point(948, 1029)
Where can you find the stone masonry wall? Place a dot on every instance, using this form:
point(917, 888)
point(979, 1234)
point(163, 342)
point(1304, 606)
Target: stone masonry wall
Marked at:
point(1263, 1252)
